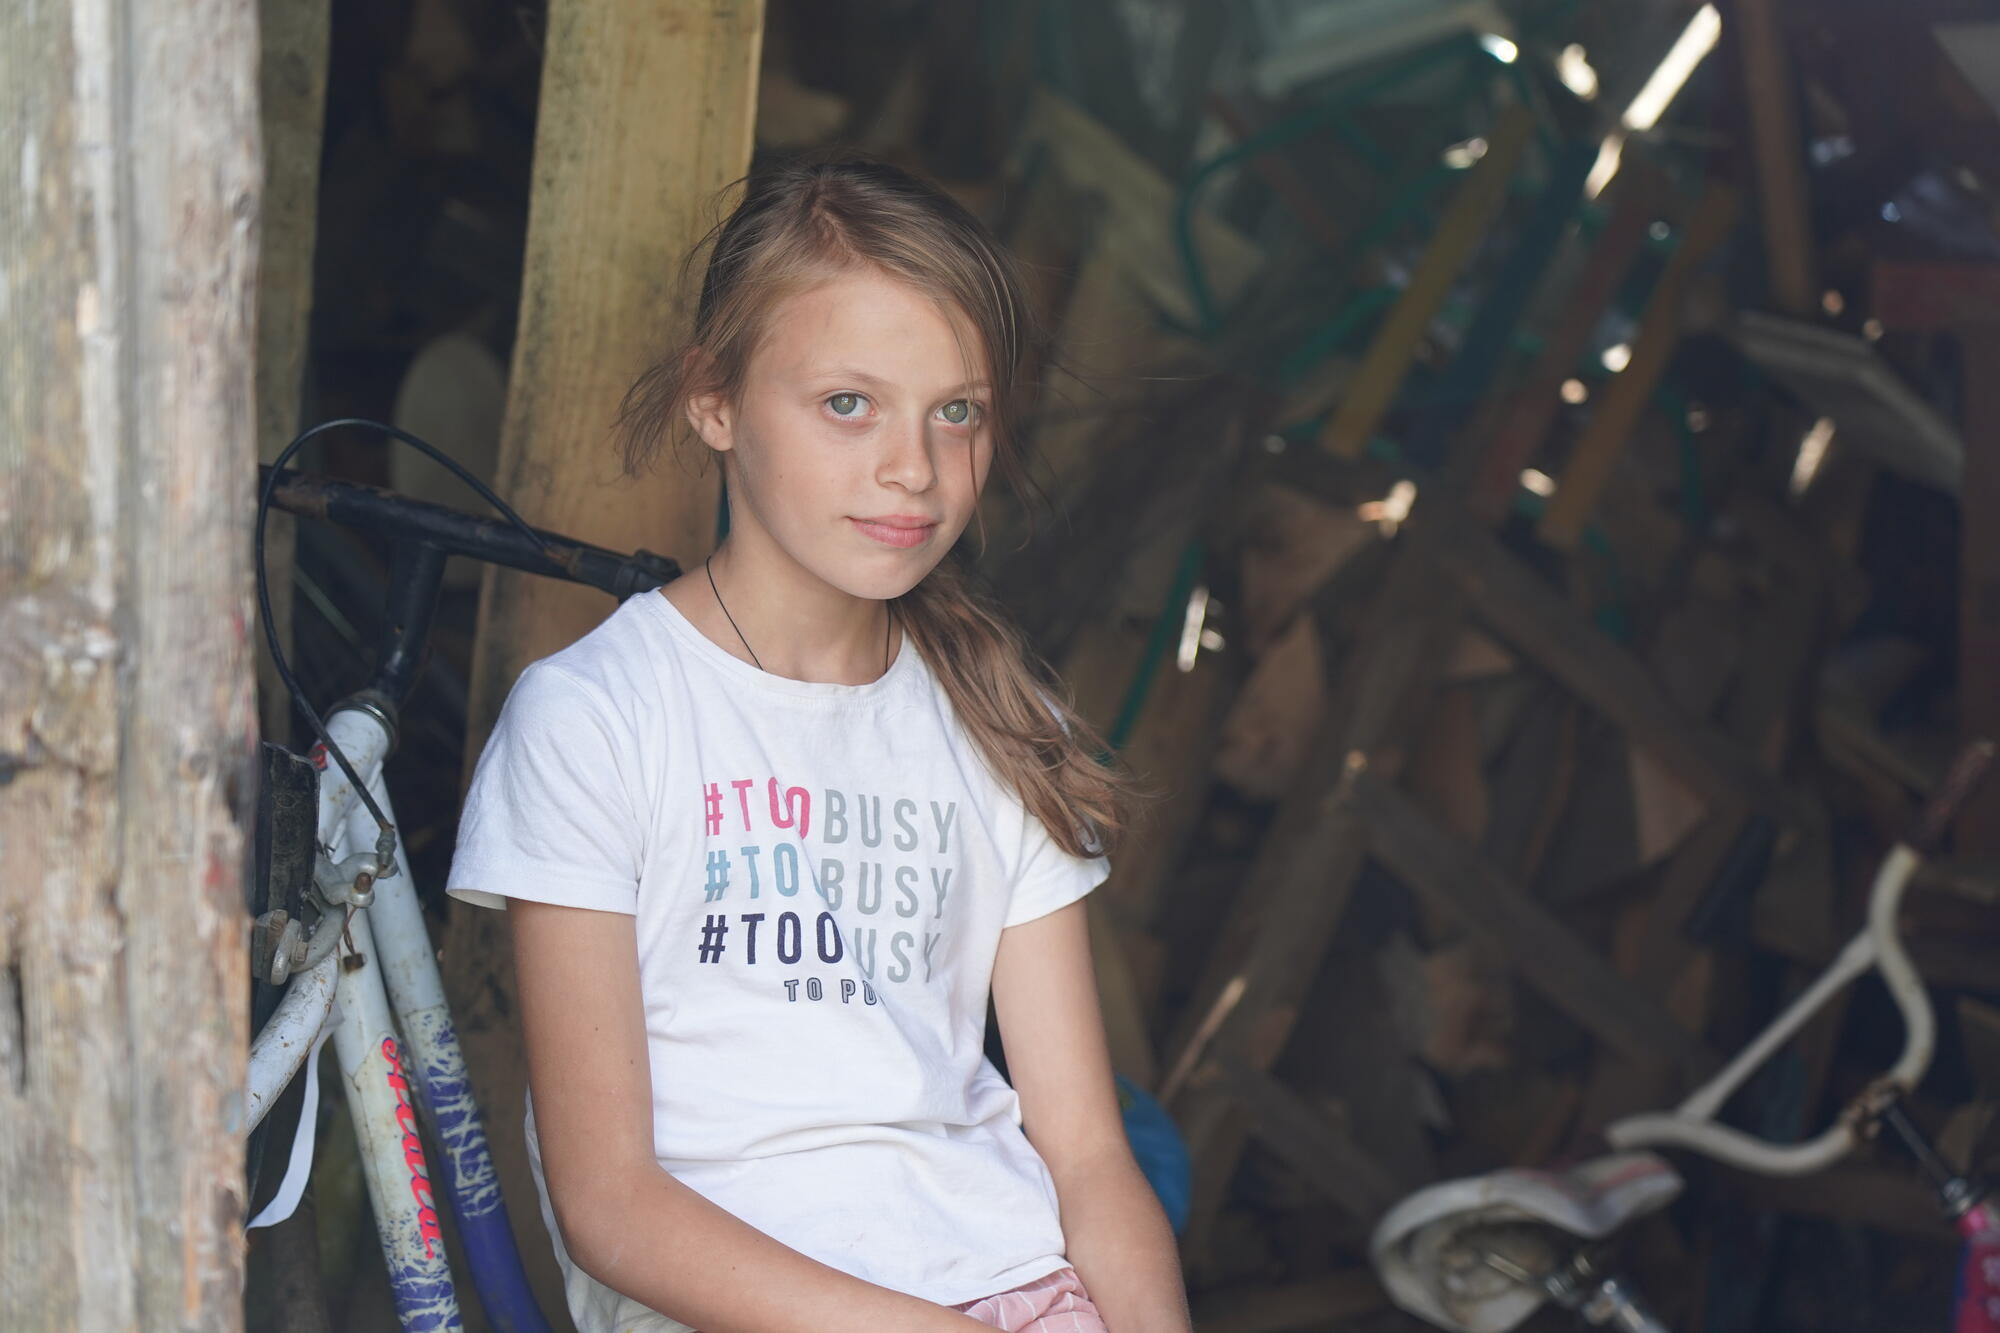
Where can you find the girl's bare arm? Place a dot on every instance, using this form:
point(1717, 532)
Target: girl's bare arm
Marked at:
point(1118, 1236)
point(624, 1219)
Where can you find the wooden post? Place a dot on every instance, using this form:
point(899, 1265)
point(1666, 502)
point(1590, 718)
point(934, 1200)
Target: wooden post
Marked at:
point(1530, 410)
point(1259, 970)
point(1546, 954)
point(1979, 579)
point(1783, 197)
point(1624, 402)
point(1958, 298)
point(292, 79)
point(1372, 391)
point(646, 114)
point(1529, 614)
point(128, 259)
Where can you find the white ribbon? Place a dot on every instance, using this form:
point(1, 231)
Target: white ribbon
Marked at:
point(299, 1169)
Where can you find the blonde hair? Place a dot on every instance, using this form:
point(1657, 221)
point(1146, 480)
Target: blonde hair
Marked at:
point(799, 220)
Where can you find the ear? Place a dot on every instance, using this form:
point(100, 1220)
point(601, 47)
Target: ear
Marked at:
point(713, 419)
point(708, 411)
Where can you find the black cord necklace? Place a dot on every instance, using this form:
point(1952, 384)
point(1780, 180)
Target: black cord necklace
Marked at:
point(888, 620)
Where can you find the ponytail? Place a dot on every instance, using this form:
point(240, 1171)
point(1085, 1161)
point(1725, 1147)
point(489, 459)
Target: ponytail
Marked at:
point(1030, 736)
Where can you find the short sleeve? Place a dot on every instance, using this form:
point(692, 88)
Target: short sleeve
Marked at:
point(1047, 877)
point(550, 815)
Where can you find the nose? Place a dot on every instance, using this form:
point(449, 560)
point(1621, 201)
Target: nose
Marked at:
point(906, 460)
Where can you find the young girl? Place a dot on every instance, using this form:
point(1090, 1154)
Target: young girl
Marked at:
point(770, 836)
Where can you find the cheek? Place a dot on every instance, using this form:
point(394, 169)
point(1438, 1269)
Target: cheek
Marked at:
point(771, 448)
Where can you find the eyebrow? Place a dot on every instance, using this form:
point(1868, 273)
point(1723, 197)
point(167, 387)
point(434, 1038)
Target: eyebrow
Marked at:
point(858, 375)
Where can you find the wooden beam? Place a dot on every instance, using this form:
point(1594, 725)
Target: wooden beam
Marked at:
point(1298, 889)
point(1524, 422)
point(1525, 611)
point(1549, 958)
point(1138, 207)
point(128, 262)
point(1464, 388)
point(1954, 298)
point(1625, 401)
point(292, 101)
point(1373, 389)
point(1762, 714)
point(1319, 1149)
point(1978, 827)
point(1934, 296)
point(646, 114)
point(1783, 199)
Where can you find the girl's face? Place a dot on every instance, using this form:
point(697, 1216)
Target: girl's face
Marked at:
point(861, 441)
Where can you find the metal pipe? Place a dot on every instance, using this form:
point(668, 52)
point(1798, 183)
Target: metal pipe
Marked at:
point(416, 993)
point(1692, 1126)
point(280, 1047)
point(375, 1075)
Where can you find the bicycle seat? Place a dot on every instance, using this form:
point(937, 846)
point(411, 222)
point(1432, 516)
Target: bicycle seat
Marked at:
point(1431, 1249)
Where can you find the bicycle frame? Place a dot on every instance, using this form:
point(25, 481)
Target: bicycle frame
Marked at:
point(368, 970)
point(384, 985)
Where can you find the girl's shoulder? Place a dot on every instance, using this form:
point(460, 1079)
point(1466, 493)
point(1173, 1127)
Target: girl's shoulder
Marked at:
point(616, 664)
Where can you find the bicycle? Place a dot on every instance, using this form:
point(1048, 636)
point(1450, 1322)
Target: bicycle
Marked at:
point(1481, 1254)
point(339, 926)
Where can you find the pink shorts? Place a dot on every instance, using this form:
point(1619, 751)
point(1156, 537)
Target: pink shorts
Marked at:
point(1053, 1304)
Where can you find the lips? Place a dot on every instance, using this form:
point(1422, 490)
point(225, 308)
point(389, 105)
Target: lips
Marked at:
point(899, 530)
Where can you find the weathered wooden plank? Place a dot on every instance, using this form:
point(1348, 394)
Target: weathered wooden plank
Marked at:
point(292, 101)
point(1959, 298)
point(1783, 197)
point(1625, 400)
point(645, 115)
point(1484, 349)
point(1934, 296)
point(1139, 207)
point(128, 260)
point(1531, 408)
point(1978, 827)
point(1551, 959)
point(1319, 1149)
point(1247, 1003)
point(1373, 388)
point(1522, 609)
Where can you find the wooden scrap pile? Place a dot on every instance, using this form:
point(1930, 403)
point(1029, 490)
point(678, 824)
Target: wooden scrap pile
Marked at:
point(1555, 732)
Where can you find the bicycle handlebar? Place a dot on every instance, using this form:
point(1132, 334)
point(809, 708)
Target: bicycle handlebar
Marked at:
point(440, 527)
point(1879, 946)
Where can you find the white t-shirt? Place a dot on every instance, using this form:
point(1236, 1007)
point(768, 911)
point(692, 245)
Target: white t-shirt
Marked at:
point(820, 875)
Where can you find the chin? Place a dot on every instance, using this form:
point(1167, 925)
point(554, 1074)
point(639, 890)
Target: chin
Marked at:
point(885, 585)
point(879, 580)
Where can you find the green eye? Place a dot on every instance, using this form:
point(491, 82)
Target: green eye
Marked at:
point(845, 404)
point(957, 411)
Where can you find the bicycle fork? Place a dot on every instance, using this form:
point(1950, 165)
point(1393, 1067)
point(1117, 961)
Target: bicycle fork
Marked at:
point(388, 1081)
point(383, 1101)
